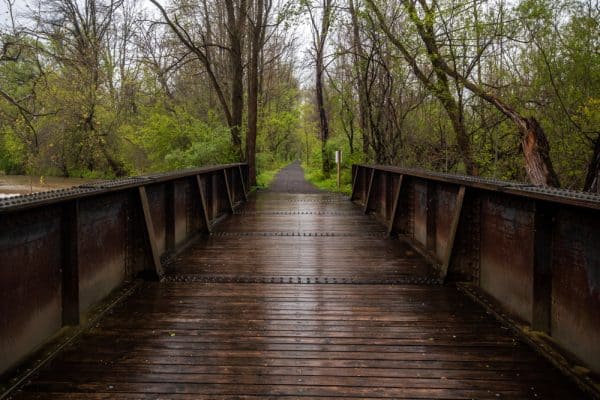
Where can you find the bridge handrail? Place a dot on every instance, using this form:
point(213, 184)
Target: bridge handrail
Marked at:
point(562, 196)
point(533, 251)
point(63, 252)
point(25, 201)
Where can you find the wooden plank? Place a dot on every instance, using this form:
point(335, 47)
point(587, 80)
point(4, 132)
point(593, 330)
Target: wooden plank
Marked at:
point(390, 227)
point(157, 271)
point(189, 339)
point(369, 190)
point(70, 263)
point(460, 197)
point(203, 205)
point(243, 183)
point(228, 190)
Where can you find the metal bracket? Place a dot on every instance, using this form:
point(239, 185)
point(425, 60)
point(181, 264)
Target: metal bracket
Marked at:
point(228, 189)
point(150, 235)
point(460, 197)
point(368, 196)
point(203, 206)
point(396, 204)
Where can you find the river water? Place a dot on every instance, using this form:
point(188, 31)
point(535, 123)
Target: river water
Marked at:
point(14, 185)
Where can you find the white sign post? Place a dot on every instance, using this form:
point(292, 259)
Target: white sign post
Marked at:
point(338, 161)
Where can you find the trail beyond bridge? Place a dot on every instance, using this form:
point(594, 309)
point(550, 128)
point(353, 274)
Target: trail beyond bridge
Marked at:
point(296, 293)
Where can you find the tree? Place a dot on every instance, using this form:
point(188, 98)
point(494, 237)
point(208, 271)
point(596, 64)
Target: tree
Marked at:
point(320, 27)
point(202, 45)
point(76, 35)
point(534, 144)
point(258, 25)
point(438, 84)
point(360, 60)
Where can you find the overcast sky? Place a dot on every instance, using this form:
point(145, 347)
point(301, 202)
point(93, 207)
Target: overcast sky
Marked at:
point(303, 68)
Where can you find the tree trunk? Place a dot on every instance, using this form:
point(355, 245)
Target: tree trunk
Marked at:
point(359, 60)
point(320, 31)
point(455, 113)
point(536, 151)
point(323, 122)
point(253, 77)
point(236, 26)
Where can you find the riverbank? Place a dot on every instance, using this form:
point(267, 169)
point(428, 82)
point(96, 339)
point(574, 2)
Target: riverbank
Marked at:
point(14, 185)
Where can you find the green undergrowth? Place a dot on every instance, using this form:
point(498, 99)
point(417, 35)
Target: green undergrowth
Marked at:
point(264, 179)
point(266, 174)
point(314, 175)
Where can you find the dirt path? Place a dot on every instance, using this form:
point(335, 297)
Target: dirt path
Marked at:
point(291, 180)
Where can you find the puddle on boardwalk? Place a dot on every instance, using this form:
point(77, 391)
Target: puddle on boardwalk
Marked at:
point(14, 185)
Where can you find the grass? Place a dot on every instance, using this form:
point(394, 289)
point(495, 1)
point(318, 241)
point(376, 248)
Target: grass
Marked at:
point(266, 175)
point(312, 174)
point(316, 177)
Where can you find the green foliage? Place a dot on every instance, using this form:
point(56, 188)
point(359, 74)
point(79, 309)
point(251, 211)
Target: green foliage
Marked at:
point(178, 140)
point(97, 118)
point(265, 177)
point(316, 177)
point(12, 153)
point(267, 166)
point(564, 63)
point(314, 173)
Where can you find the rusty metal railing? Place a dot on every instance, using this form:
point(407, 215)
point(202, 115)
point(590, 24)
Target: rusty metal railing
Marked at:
point(63, 251)
point(535, 251)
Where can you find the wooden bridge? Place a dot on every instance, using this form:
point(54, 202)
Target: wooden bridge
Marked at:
point(424, 286)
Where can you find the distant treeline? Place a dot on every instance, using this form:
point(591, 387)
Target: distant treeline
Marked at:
point(504, 89)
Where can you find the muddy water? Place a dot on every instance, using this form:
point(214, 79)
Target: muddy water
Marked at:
point(14, 185)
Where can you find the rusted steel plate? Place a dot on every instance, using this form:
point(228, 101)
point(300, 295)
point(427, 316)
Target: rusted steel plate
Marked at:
point(389, 195)
point(215, 196)
point(406, 208)
point(575, 319)
point(465, 260)
point(445, 207)
point(157, 202)
point(380, 196)
point(364, 183)
point(30, 284)
point(103, 242)
point(182, 189)
point(507, 252)
point(420, 212)
point(541, 267)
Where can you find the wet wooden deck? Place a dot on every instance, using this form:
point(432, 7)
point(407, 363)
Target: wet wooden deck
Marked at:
point(298, 295)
